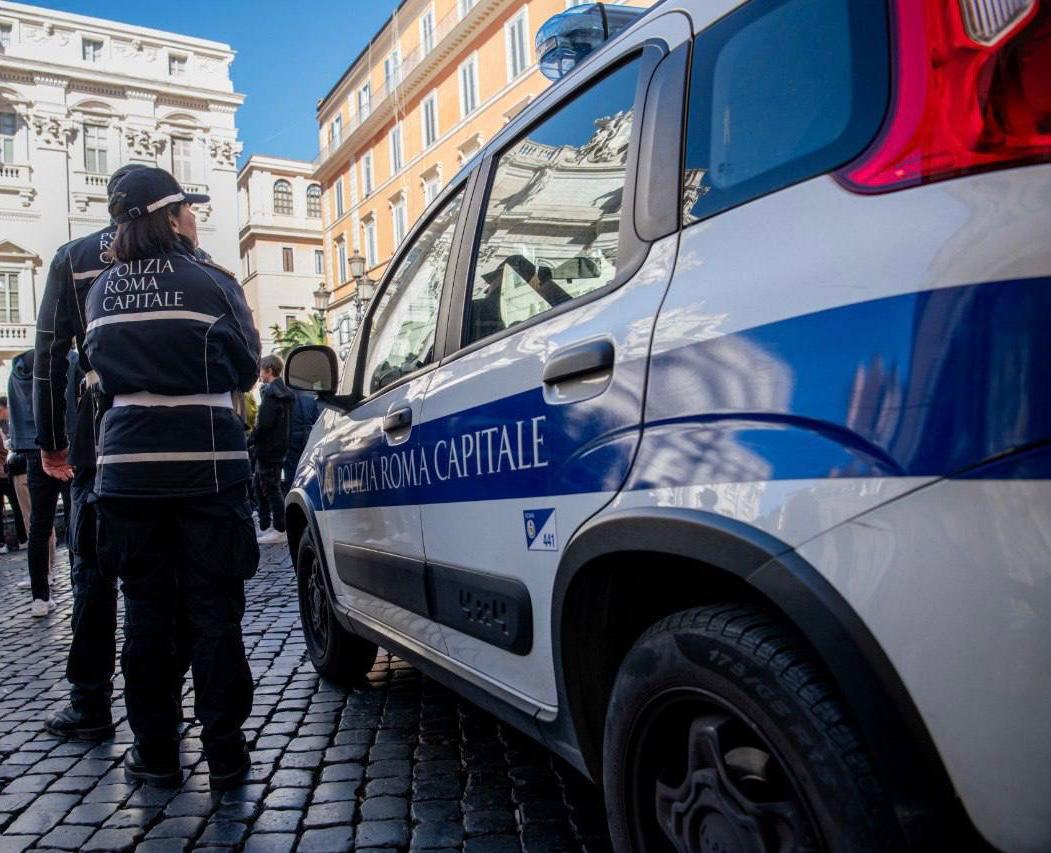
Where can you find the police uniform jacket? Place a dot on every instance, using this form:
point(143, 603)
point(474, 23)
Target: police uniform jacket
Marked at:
point(171, 339)
point(60, 324)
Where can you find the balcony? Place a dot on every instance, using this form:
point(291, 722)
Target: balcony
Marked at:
point(17, 179)
point(17, 336)
point(416, 67)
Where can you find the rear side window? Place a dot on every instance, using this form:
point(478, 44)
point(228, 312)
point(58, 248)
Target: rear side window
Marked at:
point(551, 225)
point(781, 91)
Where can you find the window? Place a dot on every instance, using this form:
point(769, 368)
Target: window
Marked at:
point(394, 144)
point(283, 198)
point(366, 173)
point(319, 262)
point(427, 31)
point(430, 119)
point(405, 319)
point(314, 201)
point(95, 149)
point(341, 259)
point(5, 36)
point(371, 250)
point(289, 320)
point(9, 312)
point(338, 190)
point(399, 220)
point(568, 171)
point(465, 6)
point(176, 66)
point(392, 70)
point(431, 188)
point(782, 91)
point(515, 39)
point(8, 129)
point(469, 86)
point(335, 131)
point(364, 101)
point(91, 50)
point(571, 3)
point(287, 259)
point(182, 159)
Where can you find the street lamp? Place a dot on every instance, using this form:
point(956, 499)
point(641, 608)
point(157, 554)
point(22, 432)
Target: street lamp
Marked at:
point(357, 266)
point(321, 299)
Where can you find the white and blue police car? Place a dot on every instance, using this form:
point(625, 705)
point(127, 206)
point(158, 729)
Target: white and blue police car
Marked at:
point(701, 428)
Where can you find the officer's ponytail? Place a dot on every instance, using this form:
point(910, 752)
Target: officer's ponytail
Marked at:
point(146, 237)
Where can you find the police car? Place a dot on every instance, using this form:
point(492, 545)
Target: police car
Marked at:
point(701, 429)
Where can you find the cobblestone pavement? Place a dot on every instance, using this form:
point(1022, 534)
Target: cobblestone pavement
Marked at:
point(399, 763)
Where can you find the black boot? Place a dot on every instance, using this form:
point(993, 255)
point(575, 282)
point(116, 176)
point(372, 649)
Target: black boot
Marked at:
point(69, 722)
point(141, 766)
point(227, 771)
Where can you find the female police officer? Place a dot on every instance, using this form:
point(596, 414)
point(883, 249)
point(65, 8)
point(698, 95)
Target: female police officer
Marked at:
point(172, 339)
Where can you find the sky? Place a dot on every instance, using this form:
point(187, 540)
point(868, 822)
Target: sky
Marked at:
point(289, 54)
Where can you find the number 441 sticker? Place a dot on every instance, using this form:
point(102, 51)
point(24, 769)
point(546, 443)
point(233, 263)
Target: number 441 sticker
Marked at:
point(540, 529)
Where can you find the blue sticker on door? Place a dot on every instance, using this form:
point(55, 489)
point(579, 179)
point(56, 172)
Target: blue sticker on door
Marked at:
point(540, 529)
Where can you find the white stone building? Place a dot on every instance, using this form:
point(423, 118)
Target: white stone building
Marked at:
point(282, 254)
point(81, 96)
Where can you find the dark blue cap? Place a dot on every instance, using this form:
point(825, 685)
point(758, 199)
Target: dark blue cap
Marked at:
point(143, 191)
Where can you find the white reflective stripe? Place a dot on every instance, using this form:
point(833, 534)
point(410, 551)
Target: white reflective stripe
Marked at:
point(91, 379)
point(89, 274)
point(186, 456)
point(143, 316)
point(145, 398)
point(168, 199)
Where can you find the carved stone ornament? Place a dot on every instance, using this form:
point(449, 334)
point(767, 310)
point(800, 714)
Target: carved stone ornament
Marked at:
point(610, 140)
point(52, 131)
point(143, 142)
point(224, 151)
point(203, 212)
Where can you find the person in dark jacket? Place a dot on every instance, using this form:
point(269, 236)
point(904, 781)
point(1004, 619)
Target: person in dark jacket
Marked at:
point(304, 413)
point(172, 339)
point(44, 490)
point(270, 446)
point(60, 326)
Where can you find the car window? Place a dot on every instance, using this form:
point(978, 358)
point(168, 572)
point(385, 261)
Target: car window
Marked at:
point(552, 217)
point(403, 327)
point(780, 91)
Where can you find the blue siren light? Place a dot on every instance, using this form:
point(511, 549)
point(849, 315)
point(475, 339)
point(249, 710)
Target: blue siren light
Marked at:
point(566, 38)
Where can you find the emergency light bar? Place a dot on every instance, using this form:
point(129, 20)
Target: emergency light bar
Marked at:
point(566, 38)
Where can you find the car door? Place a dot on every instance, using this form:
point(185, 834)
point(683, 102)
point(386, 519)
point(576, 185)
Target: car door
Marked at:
point(531, 421)
point(371, 519)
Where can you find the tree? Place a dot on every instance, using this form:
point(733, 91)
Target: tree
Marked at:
point(298, 333)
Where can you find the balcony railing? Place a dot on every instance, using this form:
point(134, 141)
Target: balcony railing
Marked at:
point(12, 174)
point(17, 336)
point(409, 64)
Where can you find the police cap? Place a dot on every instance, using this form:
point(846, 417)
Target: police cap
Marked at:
point(144, 191)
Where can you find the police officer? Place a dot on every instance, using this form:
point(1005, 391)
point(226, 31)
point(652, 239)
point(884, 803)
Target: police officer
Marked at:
point(172, 340)
point(89, 668)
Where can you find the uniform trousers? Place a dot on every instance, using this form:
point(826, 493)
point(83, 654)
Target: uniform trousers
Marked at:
point(182, 563)
point(92, 648)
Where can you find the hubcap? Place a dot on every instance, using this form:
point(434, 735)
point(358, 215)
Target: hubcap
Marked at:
point(316, 607)
point(729, 793)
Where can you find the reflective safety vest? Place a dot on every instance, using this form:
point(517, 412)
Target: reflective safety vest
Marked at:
point(171, 339)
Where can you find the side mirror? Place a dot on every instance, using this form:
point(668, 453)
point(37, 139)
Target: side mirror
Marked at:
point(313, 368)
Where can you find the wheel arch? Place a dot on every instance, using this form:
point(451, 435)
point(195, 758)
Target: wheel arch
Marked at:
point(603, 601)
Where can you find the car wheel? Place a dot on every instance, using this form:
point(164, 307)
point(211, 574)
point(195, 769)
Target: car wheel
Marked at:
point(725, 733)
point(337, 654)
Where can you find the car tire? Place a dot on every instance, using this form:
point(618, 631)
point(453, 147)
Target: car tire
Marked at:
point(337, 654)
point(724, 732)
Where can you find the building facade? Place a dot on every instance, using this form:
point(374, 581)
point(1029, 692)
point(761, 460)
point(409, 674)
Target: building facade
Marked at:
point(282, 259)
point(433, 85)
point(81, 96)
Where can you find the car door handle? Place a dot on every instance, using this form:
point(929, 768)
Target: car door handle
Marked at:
point(398, 419)
point(579, 360)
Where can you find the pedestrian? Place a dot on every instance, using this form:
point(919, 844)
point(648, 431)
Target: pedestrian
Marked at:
point(171, 339)
point(71, 457)
point(270, 446)
point(304, 413)
point(7, 490)
point(44, 490)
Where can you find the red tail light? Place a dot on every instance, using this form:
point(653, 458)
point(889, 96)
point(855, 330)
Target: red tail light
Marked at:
point(972, 91)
